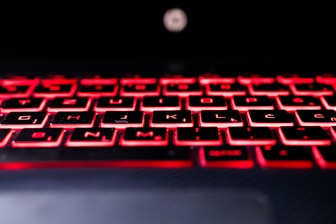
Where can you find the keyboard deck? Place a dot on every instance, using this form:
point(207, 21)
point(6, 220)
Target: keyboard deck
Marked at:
point(208, 121)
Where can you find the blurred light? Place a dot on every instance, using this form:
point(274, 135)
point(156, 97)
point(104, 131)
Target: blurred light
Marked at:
point(175, 20)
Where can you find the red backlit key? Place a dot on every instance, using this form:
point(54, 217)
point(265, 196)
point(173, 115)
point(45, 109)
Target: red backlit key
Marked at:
point(5, 135)
point(56, 87)
point(248, 78)
point(38, 138)
point(16, 91)
point(151, 103)
point(182, 89)
point(97, 90)
point(269, 118)
point(273, 89)
point(313, 89)
point(197, 103)
point(122, 119)
point(230, 118)
point(208, 78)
point(226, 89)
point(197, 136)
point(316, 117)
point(225, 157)
point(245, 103)
point(115, 104)
point(180, 118)
point(326, 78)
point(325, 156)
point(24, 120)
point(73, 119)
point(294, 78)
point(23, 104)
point(145, 136)
point(329, 102)
point(250, 136)
point(140, 89)
point(304, 136)
point(91, 137)
point(69, 104)
point(292, 103)
point(284, 156)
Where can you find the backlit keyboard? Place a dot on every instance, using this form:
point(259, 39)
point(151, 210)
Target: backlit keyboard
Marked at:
point(171, 121)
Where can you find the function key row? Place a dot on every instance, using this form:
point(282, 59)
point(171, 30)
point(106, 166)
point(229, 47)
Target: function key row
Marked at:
point(152, 103)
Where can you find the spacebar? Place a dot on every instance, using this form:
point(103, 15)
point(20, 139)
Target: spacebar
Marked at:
point(142, 157)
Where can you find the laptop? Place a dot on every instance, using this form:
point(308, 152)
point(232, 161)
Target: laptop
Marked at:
point(167, 112)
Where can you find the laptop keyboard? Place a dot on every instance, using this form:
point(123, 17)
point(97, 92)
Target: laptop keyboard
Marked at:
point(209, 121)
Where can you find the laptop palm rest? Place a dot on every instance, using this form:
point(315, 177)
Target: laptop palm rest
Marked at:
point(155, 206)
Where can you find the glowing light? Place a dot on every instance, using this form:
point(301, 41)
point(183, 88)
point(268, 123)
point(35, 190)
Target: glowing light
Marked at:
point(175, 20)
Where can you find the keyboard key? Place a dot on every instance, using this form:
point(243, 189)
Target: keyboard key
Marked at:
point(316, 117)
point(283, 156)
point(292, 103)
point(248, 78)
point(303, 136)
point(269, 118)
point(269, 89)
point(313, 89)
point(225, 157)
point(226, 89)
point(294, 78)
point(16, 91)
point(325, 156)
point(197, 103)
point(38, 138)
point(132, 89)
point(182, 89)
point(207, 136)
point(96, 90)
point(180, 118)
point(56, 87)
point(91, 137)
point(73, 119)
point(151, 103)
point(222, 119)
point(5, 135)
point(329, 102)
point(208, 78)
point(249, 136)
point(24, 120)
point(23, 104)
point(244, 103)
point(145, 136)
point(122, 119)
point(115, 104)
point(69, 104)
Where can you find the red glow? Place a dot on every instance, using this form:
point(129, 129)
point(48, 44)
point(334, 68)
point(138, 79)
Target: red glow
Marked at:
point(267, 124)
point(5, 140)
point(39, 144)
point(304, 141)
point(248, 142)
point(321, 161)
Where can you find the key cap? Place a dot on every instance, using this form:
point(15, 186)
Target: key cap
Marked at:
point(244, 103)
point(122, 119)
point(248, 78)
point(283, 156)
point(287, 78)
point(182, 89)
point(56, 87)
point(269, 118)
point(316, 117)
point(197, 103)
point(226, 89)
point(220, 119)
point(132, 89)
point(207, 78)
point(269, 89)
point(91, 137)
point(116, 104)
point(69, 104)
point(303, 136)
point(73, 119)
point(313, 89)
point(325, 156)
point(326, 78)
point(249, 136)
point(5, 135)
point(292, 103)
point(145, 136)
point(38, 138)
point(23, 104)
point(207, 136)
point(171, 119)
point(329, 102)
point(151, 103)
point(16, 91)
point(24, 120)
point(96, 90)
point(225, 157)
